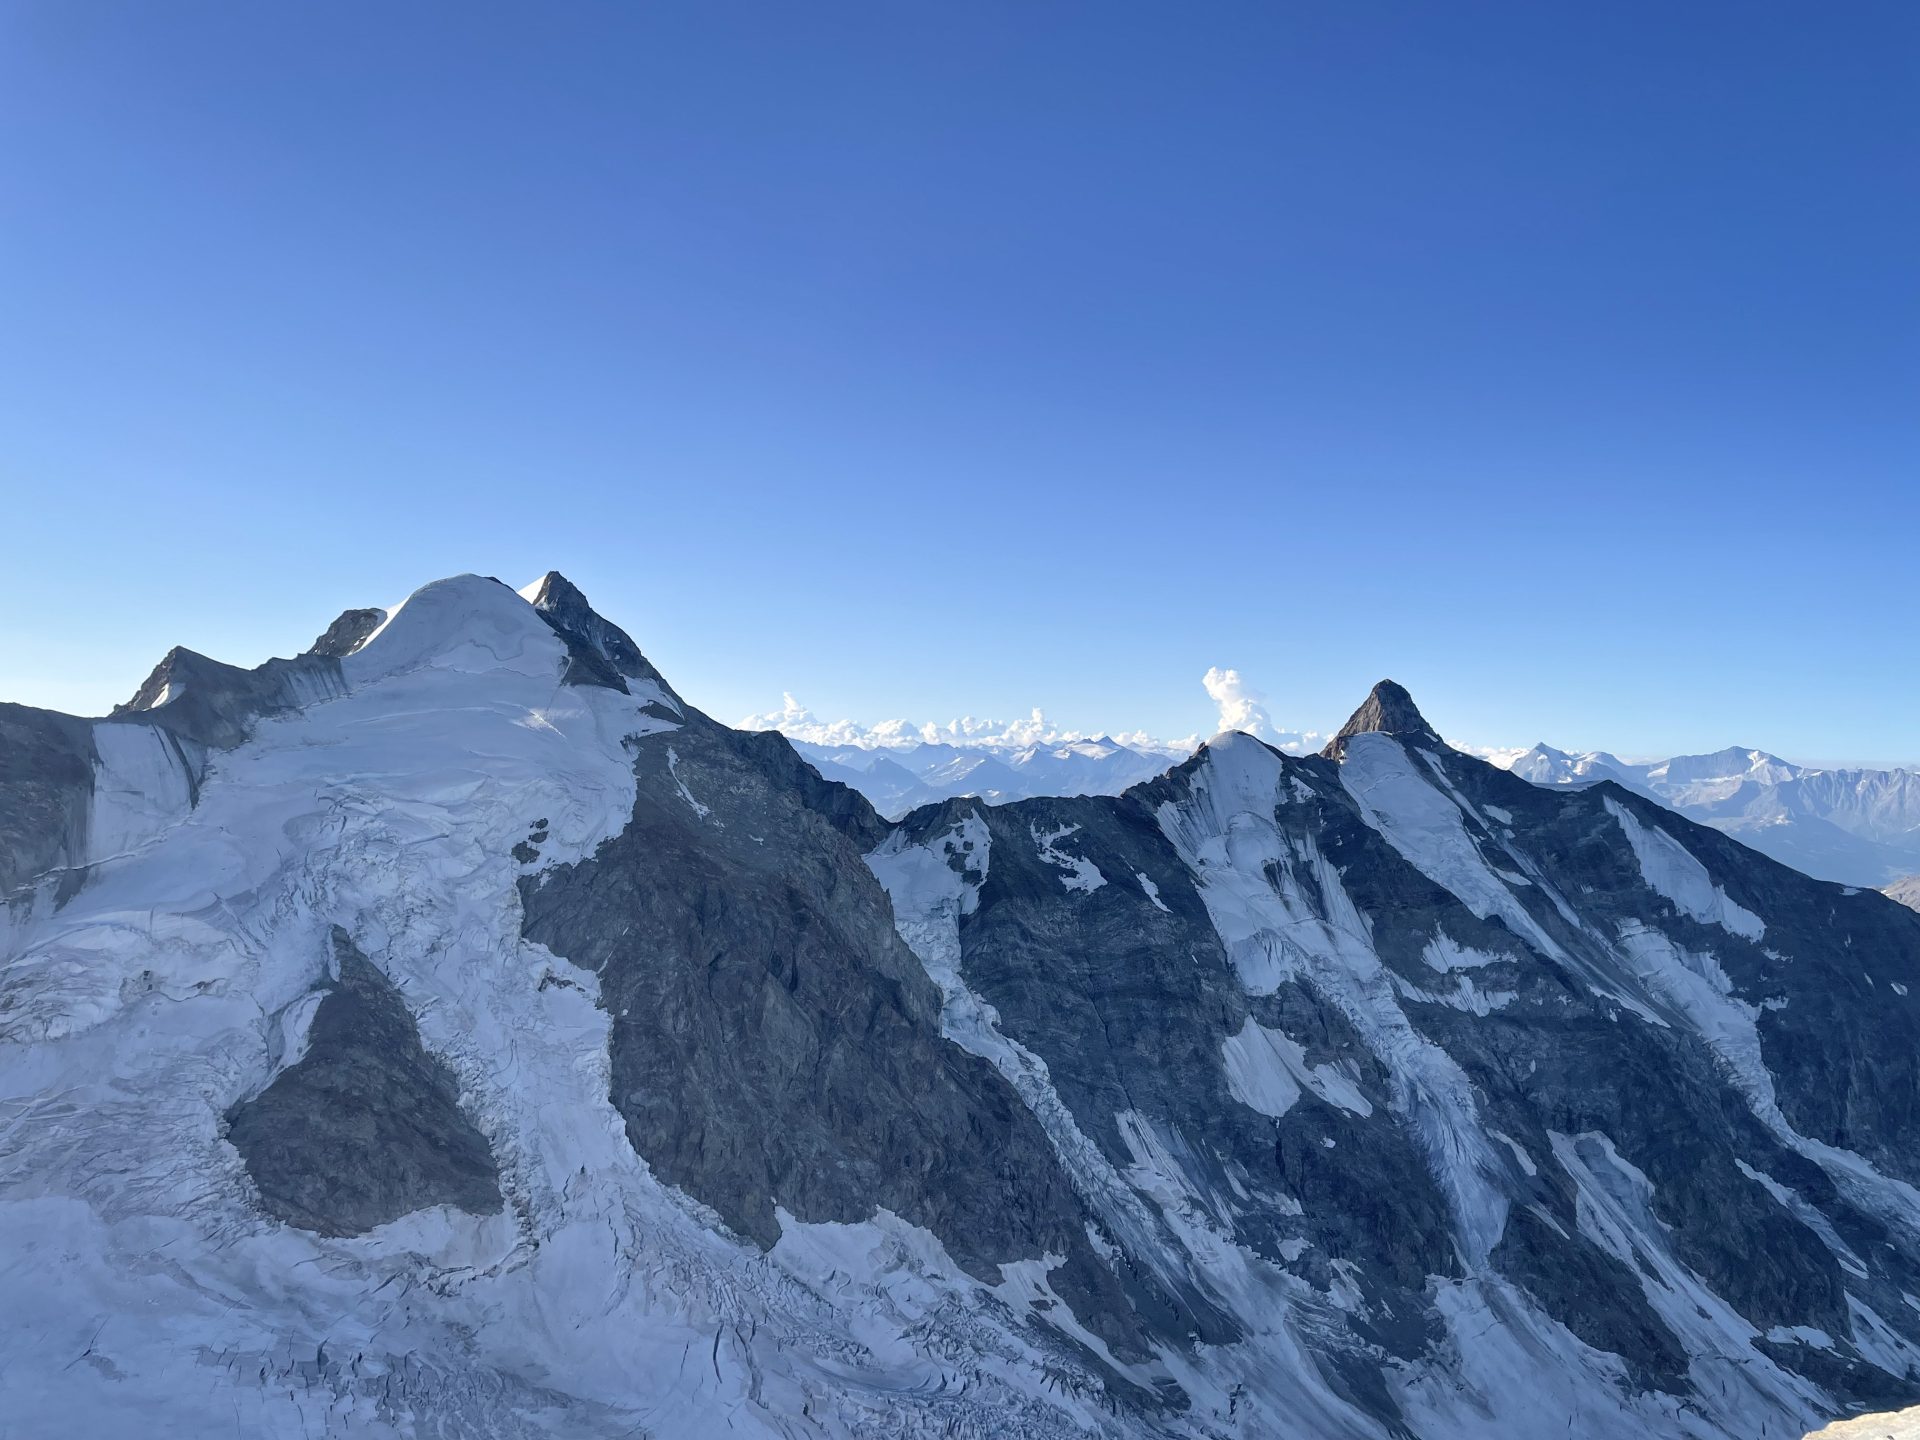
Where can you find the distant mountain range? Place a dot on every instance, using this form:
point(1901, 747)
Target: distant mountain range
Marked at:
point(1859, 827)
point(903, 778)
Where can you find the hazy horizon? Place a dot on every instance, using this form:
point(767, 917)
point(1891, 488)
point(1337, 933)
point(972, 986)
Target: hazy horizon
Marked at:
point(1226, 700)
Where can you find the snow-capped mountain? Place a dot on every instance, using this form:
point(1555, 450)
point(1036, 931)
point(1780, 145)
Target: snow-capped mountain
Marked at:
point(1860, 827)
point(452, 1031)
point(903, 777)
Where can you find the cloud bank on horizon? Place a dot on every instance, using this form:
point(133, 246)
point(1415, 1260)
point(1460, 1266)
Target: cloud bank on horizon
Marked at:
point(1239, 706)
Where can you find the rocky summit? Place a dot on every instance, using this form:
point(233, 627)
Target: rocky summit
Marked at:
point(451, 1031)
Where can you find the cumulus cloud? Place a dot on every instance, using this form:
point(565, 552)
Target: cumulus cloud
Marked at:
point(997, 734)
point(797, 722)
point(1241, 706)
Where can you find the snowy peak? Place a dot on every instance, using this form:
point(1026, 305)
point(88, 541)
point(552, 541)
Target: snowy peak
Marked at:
point(1387, 710)
point(1736, 762)
point(468, 623)
point(1544, 765)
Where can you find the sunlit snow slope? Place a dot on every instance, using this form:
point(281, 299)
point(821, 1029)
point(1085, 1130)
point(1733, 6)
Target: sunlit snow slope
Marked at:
point(451, 1032)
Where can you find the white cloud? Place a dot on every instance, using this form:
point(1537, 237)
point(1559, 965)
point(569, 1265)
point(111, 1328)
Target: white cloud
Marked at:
point(1242, 707)
point(797, 722)
point(1240, 704)
point(997, 734)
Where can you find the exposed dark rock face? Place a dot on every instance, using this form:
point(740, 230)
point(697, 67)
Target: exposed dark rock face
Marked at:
point(776, 1045)
point(1570, 1038)
point(214, 705)
point(366, 1126)
point(347, 633)
point(841, 806)
point(598, 651)
point(1558, 1058)
point(1593, 1293)
point(1666, 1097)
point(46, 784)
point(1387, 710)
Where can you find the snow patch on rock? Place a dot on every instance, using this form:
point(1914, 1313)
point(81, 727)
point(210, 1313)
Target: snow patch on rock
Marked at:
point(1670, 869)
point(1267, 1071)
point(1082, 874)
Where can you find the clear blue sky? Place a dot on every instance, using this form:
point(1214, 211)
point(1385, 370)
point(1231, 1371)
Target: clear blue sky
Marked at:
point(1560, 361)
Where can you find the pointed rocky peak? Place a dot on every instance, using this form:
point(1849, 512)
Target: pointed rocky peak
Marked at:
point(178, 669)
point(598, 651)
point(554, 594)
point(155, 689)
point(348, 633)
point(1387, 710)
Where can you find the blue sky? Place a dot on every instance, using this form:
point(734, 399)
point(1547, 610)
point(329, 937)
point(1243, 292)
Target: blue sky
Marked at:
point(1559, 361)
